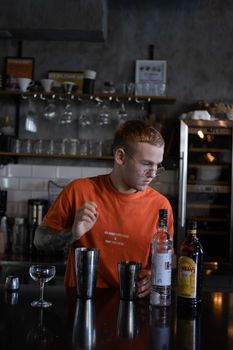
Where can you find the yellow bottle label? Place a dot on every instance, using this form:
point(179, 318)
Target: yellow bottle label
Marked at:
point(187, 277)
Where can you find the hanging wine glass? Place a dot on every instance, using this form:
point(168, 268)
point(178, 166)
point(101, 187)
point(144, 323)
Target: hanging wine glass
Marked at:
point(49, 110)
point(31, 118)
point(142, 112)
point(66, 118)
point(122, 114)
point(85, 118)
point(103, 117)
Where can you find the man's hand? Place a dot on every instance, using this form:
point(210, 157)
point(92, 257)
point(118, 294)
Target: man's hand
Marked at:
point(85, 218)
point(144, 283)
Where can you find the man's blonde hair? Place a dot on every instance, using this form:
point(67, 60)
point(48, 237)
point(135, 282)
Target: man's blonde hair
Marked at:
point(133, 131)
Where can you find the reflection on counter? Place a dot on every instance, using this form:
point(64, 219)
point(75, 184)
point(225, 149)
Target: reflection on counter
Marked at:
point(73, 323)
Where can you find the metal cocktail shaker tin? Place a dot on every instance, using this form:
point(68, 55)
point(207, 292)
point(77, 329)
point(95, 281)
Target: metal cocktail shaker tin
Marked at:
point(128, 272)
point(86, 263)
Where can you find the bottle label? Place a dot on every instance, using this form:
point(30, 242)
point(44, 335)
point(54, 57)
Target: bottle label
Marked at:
point(162, 275)
point(187, 277)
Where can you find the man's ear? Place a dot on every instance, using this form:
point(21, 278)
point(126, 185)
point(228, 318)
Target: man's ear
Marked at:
point(119, 156)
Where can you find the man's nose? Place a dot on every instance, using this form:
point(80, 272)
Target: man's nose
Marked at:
point(151, 172)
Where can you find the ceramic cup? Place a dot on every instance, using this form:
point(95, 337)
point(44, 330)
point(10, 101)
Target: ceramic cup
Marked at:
point(47, 84)
point(24, 83)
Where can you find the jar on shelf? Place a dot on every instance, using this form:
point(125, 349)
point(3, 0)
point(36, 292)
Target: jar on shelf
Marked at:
point(19, 241)
point(73, 147)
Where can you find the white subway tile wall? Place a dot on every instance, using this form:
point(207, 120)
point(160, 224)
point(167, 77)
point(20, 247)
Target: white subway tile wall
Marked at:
point(41, 171)
point(25, 182)
point(70, 172)
point(15, 170)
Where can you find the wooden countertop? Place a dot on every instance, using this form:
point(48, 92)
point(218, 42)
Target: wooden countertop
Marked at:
point(108, 323)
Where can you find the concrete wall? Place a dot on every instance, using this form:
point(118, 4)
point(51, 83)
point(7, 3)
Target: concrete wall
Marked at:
point(195, 37)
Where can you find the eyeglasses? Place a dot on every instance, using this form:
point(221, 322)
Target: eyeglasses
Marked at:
point(147, 166)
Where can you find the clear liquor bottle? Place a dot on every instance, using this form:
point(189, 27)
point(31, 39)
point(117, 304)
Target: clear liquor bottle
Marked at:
point(161, 263)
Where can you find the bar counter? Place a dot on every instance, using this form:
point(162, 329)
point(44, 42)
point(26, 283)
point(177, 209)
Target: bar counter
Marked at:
point(108, 323)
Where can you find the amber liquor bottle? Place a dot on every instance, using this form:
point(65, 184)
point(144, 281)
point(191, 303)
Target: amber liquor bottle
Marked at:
point(161, 263)
point(190, 268)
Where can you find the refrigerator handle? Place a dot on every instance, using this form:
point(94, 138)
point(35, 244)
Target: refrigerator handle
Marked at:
point(182, 191)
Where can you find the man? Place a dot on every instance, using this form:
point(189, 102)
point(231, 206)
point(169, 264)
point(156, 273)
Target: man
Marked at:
point(118, 212)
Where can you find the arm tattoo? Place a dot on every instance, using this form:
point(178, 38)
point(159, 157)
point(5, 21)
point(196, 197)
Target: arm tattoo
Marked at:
point(49, 239)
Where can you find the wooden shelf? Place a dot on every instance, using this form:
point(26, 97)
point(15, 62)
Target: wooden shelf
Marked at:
point(45, 155)
point(96, 96)
point(206, 206)
point(209, 188)
point(208, 125)
point(208, 182)
point(209, 149)
point(208, 166)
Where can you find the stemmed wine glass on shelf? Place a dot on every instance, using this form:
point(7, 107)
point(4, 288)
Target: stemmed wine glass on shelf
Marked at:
point(42, 274)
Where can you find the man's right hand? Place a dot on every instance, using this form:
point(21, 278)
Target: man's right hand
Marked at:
point(85, 218)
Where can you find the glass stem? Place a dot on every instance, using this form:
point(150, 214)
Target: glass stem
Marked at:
point(41, 291)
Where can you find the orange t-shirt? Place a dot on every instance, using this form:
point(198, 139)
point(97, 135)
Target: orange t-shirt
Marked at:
point(123, 231)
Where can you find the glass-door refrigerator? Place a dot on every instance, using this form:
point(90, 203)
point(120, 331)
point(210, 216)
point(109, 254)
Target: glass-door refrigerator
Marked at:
point(205, 186)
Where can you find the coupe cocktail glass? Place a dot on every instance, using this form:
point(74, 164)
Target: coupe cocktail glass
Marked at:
point(42, 274)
